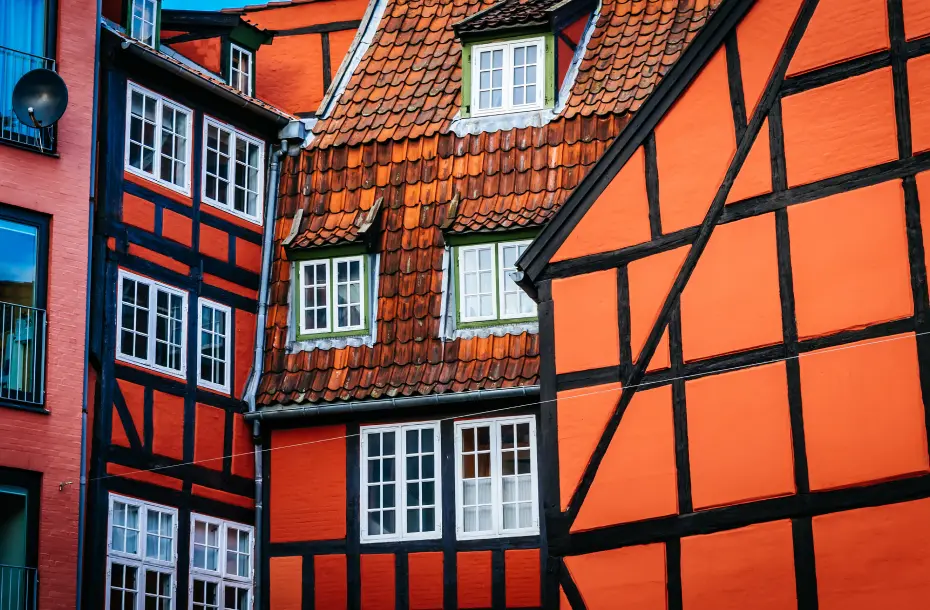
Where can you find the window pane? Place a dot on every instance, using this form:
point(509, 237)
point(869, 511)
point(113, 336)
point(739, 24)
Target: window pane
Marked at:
point(123, 586)
point(213, 347)
point(476, 478)
point(18, 263)
point(313, 278)
point(380, 491)
point(420, 478)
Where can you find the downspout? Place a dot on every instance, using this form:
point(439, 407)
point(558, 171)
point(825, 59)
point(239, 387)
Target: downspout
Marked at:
point(252, 388)
point(82, 497)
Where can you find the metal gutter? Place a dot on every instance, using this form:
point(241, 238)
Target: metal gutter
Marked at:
point(91, 205)
point(366, 406)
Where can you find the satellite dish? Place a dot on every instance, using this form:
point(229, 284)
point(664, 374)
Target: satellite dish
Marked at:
point(40, 98)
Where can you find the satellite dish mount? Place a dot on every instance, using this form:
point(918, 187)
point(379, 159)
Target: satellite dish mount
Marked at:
point(40, 98)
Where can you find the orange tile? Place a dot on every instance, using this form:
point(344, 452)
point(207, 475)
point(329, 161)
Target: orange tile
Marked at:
point(631, 578)
point(840, 30)
point(651, 280)
point(840, 128)
point(750, 567)
point(863, 413)
point(857, 272)
point(739, 436)
point(918, 75)
point(874, 557)
point(586, 332)
point(732, 300)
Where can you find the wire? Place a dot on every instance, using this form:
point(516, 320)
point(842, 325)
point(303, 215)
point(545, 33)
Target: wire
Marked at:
point(646, 384)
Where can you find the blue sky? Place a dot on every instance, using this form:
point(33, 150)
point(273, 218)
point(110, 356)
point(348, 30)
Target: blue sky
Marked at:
point(206, 5)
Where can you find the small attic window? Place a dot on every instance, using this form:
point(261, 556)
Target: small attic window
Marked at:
point(508, 76)
point(240, 69)
point(143, 21)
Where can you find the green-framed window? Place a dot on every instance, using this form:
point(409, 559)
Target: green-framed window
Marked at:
point(485, 292)
point(332, 296)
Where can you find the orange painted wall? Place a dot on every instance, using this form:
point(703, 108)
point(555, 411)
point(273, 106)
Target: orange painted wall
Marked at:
point(284, 582)
point(473, 570)
point(593, 298)
point(631, 578)
point(377, 573)
point(329, 579)
point(425, 580)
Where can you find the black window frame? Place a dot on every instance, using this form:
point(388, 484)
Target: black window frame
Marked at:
point(32, 482)
point(42, 224)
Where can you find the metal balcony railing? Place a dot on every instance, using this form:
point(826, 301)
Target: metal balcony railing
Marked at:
point(13, 64)
point(19, 587)
point(22, 355)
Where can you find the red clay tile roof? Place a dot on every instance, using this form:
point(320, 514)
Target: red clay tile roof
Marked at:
point(389, 137)
point(508, 13)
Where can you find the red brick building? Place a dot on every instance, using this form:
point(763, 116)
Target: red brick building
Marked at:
point(45, 180)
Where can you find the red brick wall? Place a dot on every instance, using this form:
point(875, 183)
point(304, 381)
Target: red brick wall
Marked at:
point(58, 187)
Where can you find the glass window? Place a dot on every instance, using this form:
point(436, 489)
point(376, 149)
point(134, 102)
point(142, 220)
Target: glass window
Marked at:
point(240, 69)
point(158, 340)
point(214, 346)
point(332, 295)
point(142, 21)
point(19, 263)
point(514, 303)
point(508, 77)
point(232, 170)
point(486, 292)
point(400, 483)
point(221, 564)
point(496, 490)
point(157, 137)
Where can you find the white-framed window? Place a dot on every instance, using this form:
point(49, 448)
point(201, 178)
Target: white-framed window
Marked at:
point(400, 482)
point(232, 170)
point(152, 324)
point(143, 20)
point(221, 564)
point(332, 295)
point(158, 136)
point(496, 478)
point(214, 345)
point(141, 555)
point(508, 76)
point(240, 69)
point(486, 292)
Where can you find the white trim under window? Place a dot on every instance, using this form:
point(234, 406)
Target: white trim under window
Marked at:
point(233, 164)
point(240, 68)
point(214, 339)
point(496, 478)
point(221, 564)
point(143, 21)
point(332, 295)
point(486, 291)
point(158, 139)
point(508, 76)
point(151, 323)
point(401, 488)
point(141, 555)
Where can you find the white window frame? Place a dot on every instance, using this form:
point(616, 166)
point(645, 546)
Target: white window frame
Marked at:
point(331, 308)
point(507, 105)
point(220, 576)
point(154, 286)
point(497, 530)
point(502, 279)
point(498, 279)
point(230, 178)
point(160, 102)
point(236, 75)
point(138, 560)
point(154, 23)
point(201, 303)
point(400, 484)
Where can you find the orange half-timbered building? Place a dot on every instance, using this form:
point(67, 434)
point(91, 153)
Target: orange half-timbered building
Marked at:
point(734, 325)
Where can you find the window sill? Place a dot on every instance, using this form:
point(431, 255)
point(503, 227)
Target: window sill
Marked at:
point(308, 343)
point(257, 221)
point(475, 125)
point(476, 536)
point(22, 406)
point(151, 178)
point(496, 328)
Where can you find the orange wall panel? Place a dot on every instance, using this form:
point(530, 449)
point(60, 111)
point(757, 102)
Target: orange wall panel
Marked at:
point(295, 86)
point(144, 476)
point(168, 425)
point(640, 461)
point(243, 461)
point(157, 188)
point(214, 243)
point(308, 502)
point(209, 433)
point(222, 496)
point(631, 578)
point(923, 193)
point(739, 436)
point(732, 300)
point(473, 571)
point(583, 415)
point(918, 75)
point(751, 567)
point(651, 279)
point(916, 18)
point(285, 583)
point(138, 212)
point(856, 273)
point(619, 217)
point(425, 580)
point(377, 582)
point(839, 128)
point(863, 413)
point(159, 259)
point(522, 578)
point(755, 177)
point(586, 331)
point(248, 255)
point(694, 144)
point(245, 349)
point(874, 557)
point(330, 584)
point(176, 227)
point(761, 35)
point(206, 52)
point(840, 30)
point(134, 397)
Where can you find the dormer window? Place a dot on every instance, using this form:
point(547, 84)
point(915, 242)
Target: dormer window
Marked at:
point(487, 295)
point(240, 69)
point(508, 76)
point(143, 21)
